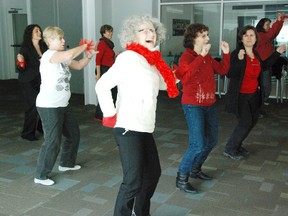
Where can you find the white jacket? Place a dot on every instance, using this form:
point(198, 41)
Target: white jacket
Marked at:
point(138, 86)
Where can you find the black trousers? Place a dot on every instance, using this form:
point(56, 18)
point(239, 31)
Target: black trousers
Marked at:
point(114, 91)
point(141, 172)
point(247, 119)
point(32, 121)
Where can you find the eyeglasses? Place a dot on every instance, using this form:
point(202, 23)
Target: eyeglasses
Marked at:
point(146, 31)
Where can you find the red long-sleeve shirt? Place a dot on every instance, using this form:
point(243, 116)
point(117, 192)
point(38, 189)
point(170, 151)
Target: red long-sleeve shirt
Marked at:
point(265, 40)
point(106, 55)
point(197, 76)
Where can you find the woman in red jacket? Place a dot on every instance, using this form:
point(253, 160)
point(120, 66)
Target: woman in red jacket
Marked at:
point(196, 72)
point(104, 60)
point(265, 48)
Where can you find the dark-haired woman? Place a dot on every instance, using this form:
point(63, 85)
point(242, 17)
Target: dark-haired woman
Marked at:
point(265, 47)
point(245, 92)
point(104, 60)
point(28, 62)
point(196, 72)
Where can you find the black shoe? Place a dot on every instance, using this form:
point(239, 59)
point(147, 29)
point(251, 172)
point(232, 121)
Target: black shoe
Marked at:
point(183, 184)
point(32, 138)
point(200, 175)
point(262, 114)
point(235, 156)
point(243, 151)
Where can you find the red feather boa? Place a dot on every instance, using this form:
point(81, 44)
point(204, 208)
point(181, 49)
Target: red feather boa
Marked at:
point(155, 58)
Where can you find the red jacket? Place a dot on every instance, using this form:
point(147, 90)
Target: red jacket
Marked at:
point(106, 55)
point(196, 74)
point(265, 40)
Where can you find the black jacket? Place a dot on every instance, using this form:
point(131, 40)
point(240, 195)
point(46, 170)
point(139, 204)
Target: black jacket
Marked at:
point(32, 60)
point(236, 75)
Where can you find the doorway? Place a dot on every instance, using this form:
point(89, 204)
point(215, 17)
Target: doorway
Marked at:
point(18, 22)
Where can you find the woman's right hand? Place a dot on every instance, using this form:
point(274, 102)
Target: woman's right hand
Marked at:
point(20, 57)
point(241, 54)
point(205, 50)
point(97, 77)
point(281, 49)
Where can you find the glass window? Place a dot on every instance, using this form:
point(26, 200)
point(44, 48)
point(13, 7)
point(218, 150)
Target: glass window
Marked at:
point(189, 1)
point(177, 17)
point(237, 15)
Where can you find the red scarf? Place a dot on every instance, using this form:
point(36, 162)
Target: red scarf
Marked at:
point(155, 58)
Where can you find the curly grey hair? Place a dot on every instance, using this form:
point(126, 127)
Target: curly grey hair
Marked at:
point(130, 27)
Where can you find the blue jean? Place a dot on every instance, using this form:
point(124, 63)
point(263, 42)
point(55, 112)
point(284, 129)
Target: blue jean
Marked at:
point(141, 172)
point(55, 122)
point(203, 135)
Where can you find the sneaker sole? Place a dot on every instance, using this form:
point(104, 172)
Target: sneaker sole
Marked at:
point(230, 156)
point(64, 169)
point(42, 182)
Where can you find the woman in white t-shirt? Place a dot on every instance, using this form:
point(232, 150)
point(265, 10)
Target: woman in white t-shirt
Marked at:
point(53, 103)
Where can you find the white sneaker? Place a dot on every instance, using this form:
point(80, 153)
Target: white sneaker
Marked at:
point(46, 182)
point(63, 169)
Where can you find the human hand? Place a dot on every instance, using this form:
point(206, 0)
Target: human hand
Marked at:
point(97, 77)
point(90, 45)
point(281, 16)
point(109, 121)
point(205, 49)
point(225, 47)
point(241, 54)
point(281, 49)
point(91, 53)
point(20, 61)
point(20, 57)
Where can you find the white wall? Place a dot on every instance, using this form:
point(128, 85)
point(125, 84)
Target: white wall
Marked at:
point(95, 14)
point(123, 9)
point(112, 12)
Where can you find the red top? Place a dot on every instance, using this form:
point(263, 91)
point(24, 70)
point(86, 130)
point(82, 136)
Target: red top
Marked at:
point(265, 40)
point(197, 76)
point(250, 80)
point(106, 55)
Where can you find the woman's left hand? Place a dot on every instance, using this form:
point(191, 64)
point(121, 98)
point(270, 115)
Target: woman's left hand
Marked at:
point(281, 49)
point(225, 47)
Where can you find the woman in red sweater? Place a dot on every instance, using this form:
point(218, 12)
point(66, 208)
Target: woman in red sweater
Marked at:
point(265, 48)
point(104, 60)
point(196, 72)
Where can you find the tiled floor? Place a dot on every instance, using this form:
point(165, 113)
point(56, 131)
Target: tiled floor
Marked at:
point(256, 186)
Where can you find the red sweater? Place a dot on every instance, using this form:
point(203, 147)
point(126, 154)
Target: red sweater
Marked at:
point(197, 76)
point(265, 40)
point(106, 55)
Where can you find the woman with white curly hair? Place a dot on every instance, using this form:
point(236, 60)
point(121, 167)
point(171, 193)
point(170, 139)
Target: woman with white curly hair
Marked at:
point(139, 73)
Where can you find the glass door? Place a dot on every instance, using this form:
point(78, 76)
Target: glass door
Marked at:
point(17, 22)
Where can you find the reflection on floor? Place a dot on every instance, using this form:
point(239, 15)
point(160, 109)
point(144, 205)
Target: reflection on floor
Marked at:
point(256, 186)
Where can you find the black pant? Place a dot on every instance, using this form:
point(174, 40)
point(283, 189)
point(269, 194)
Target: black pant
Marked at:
point(32, 121)
point(247, 119)
point(98, 111)
point(141, 170)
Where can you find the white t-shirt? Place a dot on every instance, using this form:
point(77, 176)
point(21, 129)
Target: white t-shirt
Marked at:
point(55, 87)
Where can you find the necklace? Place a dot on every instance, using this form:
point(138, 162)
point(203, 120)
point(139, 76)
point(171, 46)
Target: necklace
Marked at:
point(155, 58)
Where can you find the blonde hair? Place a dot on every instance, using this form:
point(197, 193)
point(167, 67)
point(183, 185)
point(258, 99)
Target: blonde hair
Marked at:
point(130, 27)
point(52, 32)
